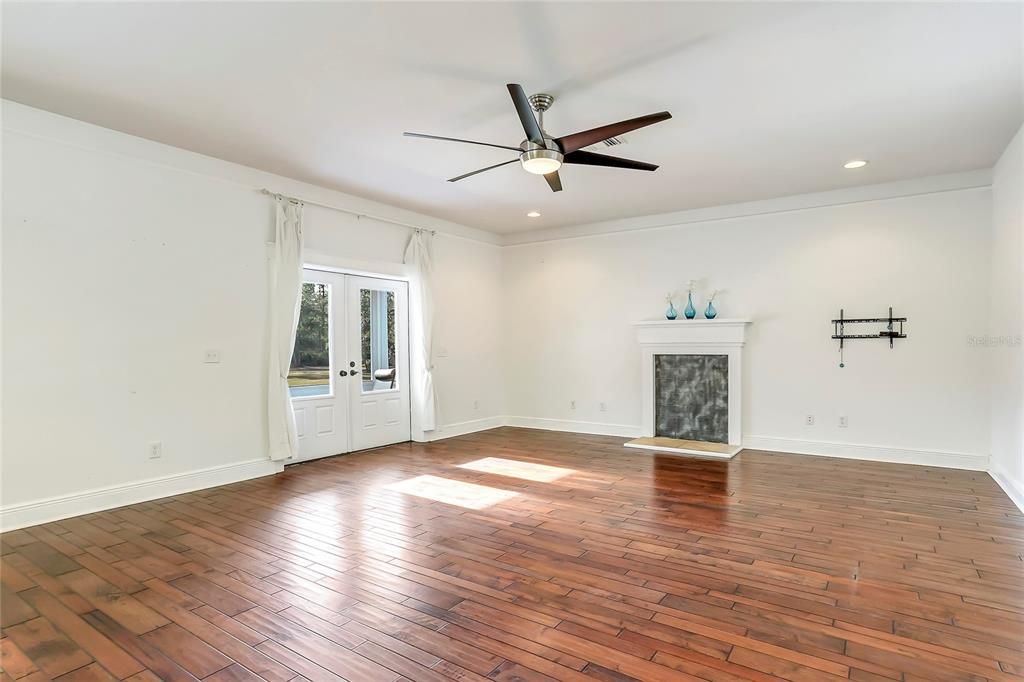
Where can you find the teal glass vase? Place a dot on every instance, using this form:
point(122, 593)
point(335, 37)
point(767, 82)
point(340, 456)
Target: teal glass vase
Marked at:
point(690, 311)
point(710, 312)
point(671, 313)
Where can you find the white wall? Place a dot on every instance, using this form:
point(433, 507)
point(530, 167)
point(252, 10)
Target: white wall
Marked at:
point(125, 260)
point(1006, 327)
point(569, 304)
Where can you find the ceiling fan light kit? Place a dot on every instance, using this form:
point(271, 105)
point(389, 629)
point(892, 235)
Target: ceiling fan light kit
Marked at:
point(541, 161)
point(542, 154)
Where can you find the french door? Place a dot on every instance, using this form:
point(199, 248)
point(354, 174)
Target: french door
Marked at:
point(349, 377)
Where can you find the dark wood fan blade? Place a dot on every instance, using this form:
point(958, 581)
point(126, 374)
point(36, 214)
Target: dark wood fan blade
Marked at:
point(455, 139)
point(591, 159)
point(554, 182)
point(571, 143)
point(497, 165)
point(525, 111)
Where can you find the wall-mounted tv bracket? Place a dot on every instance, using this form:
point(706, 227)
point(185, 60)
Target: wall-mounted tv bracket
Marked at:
point(890, 332)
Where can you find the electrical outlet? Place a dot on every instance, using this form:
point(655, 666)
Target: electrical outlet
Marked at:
point(212, 356)
point(843, 421)
point(603, 407)
point(572, 404)
point(156, 450)
point(810, 420)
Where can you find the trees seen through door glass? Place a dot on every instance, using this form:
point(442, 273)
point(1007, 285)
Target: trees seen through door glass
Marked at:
point(377, 315)
point(310, 370)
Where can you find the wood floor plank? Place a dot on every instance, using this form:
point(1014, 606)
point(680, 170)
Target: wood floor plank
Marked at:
point(51, 651)
point(13, 660)
point(321, 650)
point(598, 563)
point(14, 609)
point(187, 650)
point(210, 593)
point(126, 610)
point(156, 662)
point(106, 652)
point(93, 672)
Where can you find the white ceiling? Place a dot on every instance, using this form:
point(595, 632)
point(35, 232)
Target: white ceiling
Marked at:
point(768, 99)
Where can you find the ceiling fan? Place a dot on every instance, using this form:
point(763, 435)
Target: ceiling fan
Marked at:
point(542, 154)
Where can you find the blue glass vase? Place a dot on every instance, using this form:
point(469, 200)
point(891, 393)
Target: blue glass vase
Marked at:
point(671, 312)
point(690, 311)
point(710, 312)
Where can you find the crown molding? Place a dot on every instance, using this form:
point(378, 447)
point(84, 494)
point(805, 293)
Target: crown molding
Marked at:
point(953, 182)
point(25, 120)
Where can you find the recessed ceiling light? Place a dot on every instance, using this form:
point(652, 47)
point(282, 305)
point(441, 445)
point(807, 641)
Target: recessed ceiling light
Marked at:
point(533, 214)
point(856, 163)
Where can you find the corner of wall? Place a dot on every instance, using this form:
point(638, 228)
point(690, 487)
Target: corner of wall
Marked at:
point(1014, 489)
point(1006, 321)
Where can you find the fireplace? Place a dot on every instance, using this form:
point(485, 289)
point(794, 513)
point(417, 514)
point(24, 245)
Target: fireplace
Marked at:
point(691, 397)
point(691, 386)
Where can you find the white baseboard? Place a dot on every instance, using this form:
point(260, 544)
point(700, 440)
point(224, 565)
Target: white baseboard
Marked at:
point(56, 508)
point(594, 428)
point(873, 453)
point(65, 506)
point(463, 428)
point(1013, 489)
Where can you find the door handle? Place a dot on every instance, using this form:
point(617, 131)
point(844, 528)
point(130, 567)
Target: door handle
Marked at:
point(346, 373)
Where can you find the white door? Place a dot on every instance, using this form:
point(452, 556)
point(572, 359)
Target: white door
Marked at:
point(350, 329)
point(319, 394)
point(378, 333)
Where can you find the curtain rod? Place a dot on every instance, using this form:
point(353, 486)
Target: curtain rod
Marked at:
point(357, 214)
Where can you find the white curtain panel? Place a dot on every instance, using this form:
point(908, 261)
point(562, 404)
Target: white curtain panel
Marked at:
point(285, 283)
point(419, 254)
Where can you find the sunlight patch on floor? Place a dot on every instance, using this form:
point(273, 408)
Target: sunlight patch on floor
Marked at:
point(459, 493)
point(530, 471)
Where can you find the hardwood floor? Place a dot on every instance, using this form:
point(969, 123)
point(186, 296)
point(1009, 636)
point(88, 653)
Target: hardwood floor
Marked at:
point(556, 556)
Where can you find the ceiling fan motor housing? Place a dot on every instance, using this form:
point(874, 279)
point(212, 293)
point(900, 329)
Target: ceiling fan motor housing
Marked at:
point(536, 158)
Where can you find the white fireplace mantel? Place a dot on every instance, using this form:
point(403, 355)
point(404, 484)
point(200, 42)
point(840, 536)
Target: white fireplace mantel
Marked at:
point(693, 337)
point(717, 331)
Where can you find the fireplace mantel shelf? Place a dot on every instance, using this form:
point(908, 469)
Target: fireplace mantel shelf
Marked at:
point(718, 321)
point(724, 332)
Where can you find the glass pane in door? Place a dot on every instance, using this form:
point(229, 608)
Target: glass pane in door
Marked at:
point(310, 371)
point(377, 336)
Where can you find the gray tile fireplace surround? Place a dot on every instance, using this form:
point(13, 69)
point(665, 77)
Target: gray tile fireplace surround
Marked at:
point(691, 397)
